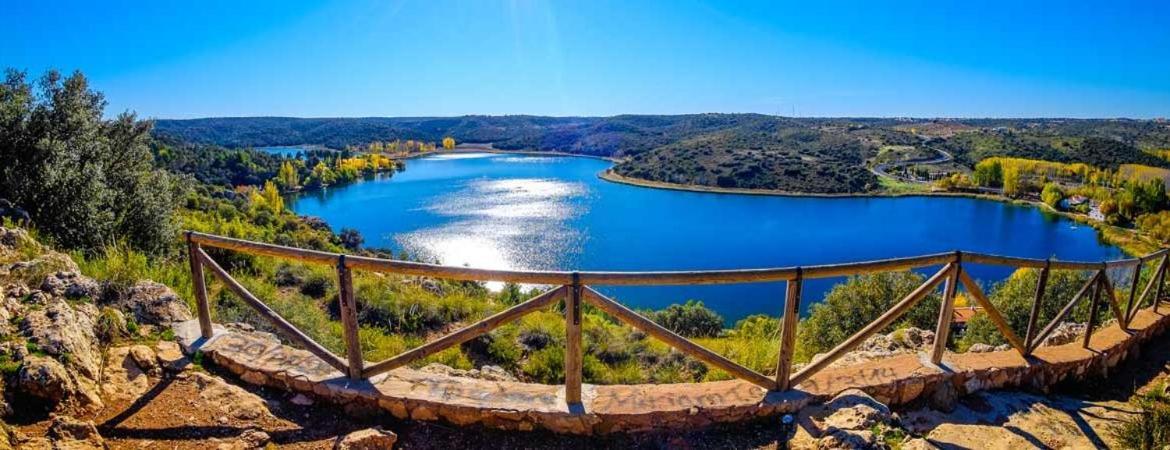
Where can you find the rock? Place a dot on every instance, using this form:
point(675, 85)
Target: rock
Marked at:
point(492, 373)
point(15, 244)
point(918, 444)
point(65, 331)
point(46, 379)
point(123, 377)
point(944, 396)
point(254, 438)
point(170, 356)
point(231, 399)
point(980, 348)
point(367, 439)
point(72, 285)
point(1064, 333)
point(855, 410)
point(879, 346)
point(301, 400)
point(145, 359)
point(154, 303)
point(69, 433)
point(847, 439)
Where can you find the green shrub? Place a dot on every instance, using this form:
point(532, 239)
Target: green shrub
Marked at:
point(317, 286)
point(852, 305)
point(691, 319)
point(1014, 297)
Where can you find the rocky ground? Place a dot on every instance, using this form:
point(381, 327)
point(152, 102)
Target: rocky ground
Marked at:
point(76, 375)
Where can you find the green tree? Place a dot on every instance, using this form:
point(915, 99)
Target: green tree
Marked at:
point(1013, 298)
point(1052, 195)
point(988, 173)
point(85, 180)
point(287, 177)
point(852, 305)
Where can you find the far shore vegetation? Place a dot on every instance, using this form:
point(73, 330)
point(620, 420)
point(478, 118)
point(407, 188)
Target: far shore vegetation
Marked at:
point(116, 192)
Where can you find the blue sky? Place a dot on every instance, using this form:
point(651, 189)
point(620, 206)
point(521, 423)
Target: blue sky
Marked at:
point(600, 57)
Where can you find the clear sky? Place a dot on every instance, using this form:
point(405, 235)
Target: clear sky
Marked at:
point(182, 59)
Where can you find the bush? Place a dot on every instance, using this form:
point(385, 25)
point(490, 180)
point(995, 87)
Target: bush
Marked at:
point(317, 286)
point(852, 305)
point(1151, 428)
point(86, 181)
point(1013, 298)
point(691, 319)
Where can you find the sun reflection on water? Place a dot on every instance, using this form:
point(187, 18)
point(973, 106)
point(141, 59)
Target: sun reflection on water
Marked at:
point(516, 223)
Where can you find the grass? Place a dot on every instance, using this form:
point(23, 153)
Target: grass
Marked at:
point(1150, 429)
point(892, 185)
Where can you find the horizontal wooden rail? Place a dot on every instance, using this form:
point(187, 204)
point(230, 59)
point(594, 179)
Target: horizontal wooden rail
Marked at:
point(289, 329)
point(574, 288)
point(684, 345)
point(466, 333)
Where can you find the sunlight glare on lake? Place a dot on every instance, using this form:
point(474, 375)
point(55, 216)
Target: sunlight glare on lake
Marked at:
point(485, 232)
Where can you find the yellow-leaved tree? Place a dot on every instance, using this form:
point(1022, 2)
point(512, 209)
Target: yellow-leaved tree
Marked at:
point(272, 198)
point(448, 143)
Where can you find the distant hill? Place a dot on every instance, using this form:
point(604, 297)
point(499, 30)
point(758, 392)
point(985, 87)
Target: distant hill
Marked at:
point(826, 155)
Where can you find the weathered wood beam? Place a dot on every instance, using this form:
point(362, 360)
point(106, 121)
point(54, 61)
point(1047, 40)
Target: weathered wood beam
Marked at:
point(1035, 342)
point(878, 324)
point(788, 332)
point(199, 283)
point(992, 312)
point(283, 325)
point(1034, 316)
point(946, 313)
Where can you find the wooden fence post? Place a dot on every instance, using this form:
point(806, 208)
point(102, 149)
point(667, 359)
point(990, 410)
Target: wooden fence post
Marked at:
point(1133, 288)
point(946, 312)
point(1034, 316)
point(1161, 280)
point(200, 285)
point(1093, 308)
point(347, 306)
point(788, 332)
point(573, 353)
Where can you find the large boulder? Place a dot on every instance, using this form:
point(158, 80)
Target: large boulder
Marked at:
point(69, 433)
point(48, 380)
point(72, 285)
point(154, 303)
point(66, 332)
point(849, 419)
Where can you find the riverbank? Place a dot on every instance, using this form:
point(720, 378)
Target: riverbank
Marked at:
point(489, 149)
point(1128, 240)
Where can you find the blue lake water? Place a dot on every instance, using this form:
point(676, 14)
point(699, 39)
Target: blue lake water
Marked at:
point(535, 212)
point(289, 151)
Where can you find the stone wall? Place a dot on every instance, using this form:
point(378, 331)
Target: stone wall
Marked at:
point(259, 358)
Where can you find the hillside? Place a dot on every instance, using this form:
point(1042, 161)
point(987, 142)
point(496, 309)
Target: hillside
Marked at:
point(820, 155)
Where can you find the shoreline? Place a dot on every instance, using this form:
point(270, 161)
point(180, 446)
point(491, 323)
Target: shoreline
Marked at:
point(1129, 241)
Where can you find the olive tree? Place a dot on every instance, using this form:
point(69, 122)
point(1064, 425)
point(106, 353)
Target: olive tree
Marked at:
point(85, 180)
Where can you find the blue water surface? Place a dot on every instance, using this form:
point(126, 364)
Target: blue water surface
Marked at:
point(506, 211)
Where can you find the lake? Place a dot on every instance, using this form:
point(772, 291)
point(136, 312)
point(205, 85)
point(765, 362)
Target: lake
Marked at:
point(289, 151)
point(510, 211)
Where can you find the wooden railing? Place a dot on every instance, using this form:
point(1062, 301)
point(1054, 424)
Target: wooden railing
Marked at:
point(574, 289)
